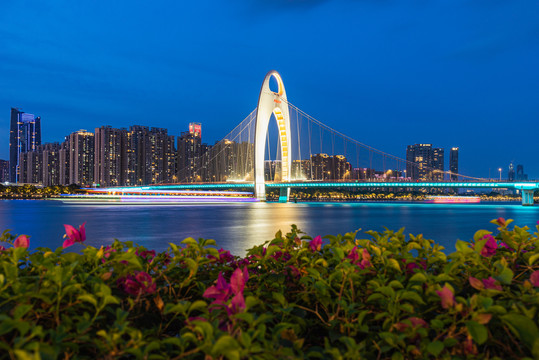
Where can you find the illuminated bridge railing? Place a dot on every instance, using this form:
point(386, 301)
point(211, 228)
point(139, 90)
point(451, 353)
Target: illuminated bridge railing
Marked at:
point(338, 184)
point(512, 185)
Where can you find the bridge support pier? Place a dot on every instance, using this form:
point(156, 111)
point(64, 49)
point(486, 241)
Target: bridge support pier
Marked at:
point(527, 197)
point(260, 191)
point(284, 194)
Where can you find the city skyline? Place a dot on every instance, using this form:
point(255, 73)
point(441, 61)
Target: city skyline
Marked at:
point(460, 75)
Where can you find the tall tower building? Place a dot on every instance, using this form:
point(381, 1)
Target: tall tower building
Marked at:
point(4, 170)
point(81, 147)
point(51, 164)
point(63, 159)
point(110, 156)
point(190, 154)
point(511, 172)
point(24, 136)
point(424, 162)
point(454, 163)
point(151, 156)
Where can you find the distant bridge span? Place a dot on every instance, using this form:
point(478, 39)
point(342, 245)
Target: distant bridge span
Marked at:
point(527, 188)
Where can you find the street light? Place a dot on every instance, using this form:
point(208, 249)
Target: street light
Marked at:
point(500, 170)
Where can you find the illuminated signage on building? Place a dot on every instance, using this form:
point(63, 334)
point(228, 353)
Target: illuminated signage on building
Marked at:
point(195, 128)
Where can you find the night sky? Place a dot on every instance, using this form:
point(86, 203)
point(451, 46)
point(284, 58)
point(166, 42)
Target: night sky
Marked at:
point(387, 73)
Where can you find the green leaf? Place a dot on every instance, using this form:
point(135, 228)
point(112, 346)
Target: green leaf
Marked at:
point(435, 347)
point(88, 298)
point(387, 291)
point(392, 263)
point(197, 305)
point(189, 241)
point(412, 296)
point(279, 298)
point(478, 332)
point(227, 346)
point(339, 252)
point(463, 247)
point(21, 310)
point(524, 328)
point(531, 260)
point(505, 277)
point(418, 277)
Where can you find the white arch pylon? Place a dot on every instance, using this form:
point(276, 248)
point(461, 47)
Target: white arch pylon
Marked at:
point(270, 102)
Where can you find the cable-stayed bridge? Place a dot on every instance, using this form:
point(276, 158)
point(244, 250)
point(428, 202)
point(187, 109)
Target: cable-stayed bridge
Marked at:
point(280, 146)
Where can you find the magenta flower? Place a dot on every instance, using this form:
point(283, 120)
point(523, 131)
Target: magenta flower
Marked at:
point(363, 259)
point(446, 296)
point(2, 248)
point(236, 305)
point(491, 283)
point(146, 254)
point(73, 235)
point(220, 291)
point(224, 256)
point(140, 284)
point(238, 280)
point(490, 246)
point(22, 241)
point(534, 278)
point(316, 244)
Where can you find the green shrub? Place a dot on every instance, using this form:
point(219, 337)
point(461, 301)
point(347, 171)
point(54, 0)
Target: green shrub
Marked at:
point(390, 296)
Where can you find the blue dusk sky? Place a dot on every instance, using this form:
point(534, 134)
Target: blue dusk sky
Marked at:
point(385, 72)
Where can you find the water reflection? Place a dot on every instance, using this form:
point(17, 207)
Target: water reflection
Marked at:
point(238, 227)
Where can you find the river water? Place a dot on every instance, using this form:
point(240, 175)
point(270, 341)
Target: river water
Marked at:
point(239, 226)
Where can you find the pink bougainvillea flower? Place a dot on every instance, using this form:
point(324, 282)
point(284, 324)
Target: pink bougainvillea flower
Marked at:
point(361, 259)
point(139, 284)
point(416, 322)
point(316, 244)
point(282, 256)
point(220, 291)
point(146, 254)
point(490, 246)
point(491, 283)
point(446, 296)
point(238, 280)
point(476, 283)
point(236, 305)
point(224, 256)
point(366, 259)
point(73, 235)
point(534, 278)
point(2, 248)
point(22, 241)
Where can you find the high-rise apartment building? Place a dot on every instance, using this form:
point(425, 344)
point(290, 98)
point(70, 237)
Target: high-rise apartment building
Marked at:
point(454, 163)
point(24, 136)
point(110, 168)
point(81, 145)
point(325, 167)
point(511, 172)
point(520, 173)
point(151, 156)
point(423, 162)
point(4, 171)
point(51, 164)
point(190, 154)
point(63, 160)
